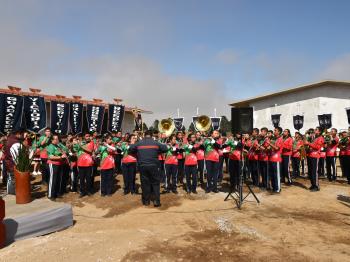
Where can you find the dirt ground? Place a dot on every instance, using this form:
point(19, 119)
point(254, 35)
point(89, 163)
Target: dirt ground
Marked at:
point(296, 225)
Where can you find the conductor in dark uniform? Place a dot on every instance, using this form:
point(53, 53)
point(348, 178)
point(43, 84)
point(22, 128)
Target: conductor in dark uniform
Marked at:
point(147, 151)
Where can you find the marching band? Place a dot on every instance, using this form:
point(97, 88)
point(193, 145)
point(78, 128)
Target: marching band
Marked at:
point(266, 157)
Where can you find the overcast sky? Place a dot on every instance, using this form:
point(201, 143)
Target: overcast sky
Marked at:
point(164, 55)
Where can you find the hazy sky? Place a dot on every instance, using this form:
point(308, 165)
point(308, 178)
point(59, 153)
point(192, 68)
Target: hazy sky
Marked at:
point(164, 55)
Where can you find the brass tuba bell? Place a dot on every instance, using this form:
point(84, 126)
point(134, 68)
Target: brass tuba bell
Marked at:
point(203, 123)
point(166, 126)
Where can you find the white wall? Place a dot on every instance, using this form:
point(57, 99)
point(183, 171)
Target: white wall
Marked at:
point(310, 103)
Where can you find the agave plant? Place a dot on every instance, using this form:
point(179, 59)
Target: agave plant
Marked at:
point(23, 161)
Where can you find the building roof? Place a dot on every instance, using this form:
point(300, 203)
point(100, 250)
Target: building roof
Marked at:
point(246, 102)
point(37, 92)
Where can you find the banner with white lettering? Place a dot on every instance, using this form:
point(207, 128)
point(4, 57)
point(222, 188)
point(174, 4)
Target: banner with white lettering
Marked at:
point(94, 115)
point(59, 117)
point(11, 108)
point(178, 122)
point(35, 113)
point(115, 117)
point(215, 122)
point(194, 120)
point(76, 117)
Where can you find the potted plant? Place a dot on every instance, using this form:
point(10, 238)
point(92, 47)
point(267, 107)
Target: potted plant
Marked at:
point(23, 162)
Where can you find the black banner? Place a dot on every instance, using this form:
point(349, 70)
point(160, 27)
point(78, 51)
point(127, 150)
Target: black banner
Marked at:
point(11, 108)
point(35, 113)
point(76, 117)
point(94, 115)
point(194, 119)
point(115, 117)
point(215, 122)
point(138, 122)
point(178, 122)
point(59, 117)
point(276, 120)
point(348, 114)
point(298, 122)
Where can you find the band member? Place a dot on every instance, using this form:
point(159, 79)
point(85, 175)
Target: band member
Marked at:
point(161, 158)
point(252, 145)
point(212, 161)
point(298, 153)
point(234, 164)
point(65, 166)
point(331, 142)
point(180, 157)
point(344, 154)
point(275, 146)
point(129, 166)
point(55, 160)
point(191, 165)
point(200, 156)
point(263, 157)
point(220, 141)
point(147, 157)
point(286, 155)
point(171, 165)
point(321, 161)
point(107, 165)
point(43, 142)
point(73, 165)
point(85, 165)
point(315, 144)
point(117, 139)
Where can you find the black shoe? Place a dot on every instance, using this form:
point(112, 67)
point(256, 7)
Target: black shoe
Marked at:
point(157, 203)
point(175, 191)
point(145, 202)
point(109, 195)
point(103, 195)
point(52, 199)
point(311, 187)
point(315, 189)
point(207, 191)
point(82, 195)
point(216, 191)
point(126, 192)
point(194, 191)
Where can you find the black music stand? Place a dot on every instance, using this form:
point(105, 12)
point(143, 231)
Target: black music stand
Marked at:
point(240, 198)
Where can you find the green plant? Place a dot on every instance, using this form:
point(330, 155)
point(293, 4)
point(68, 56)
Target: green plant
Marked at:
point(23, 161)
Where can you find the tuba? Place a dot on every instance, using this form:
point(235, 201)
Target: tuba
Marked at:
point(166, 126)
point(203, 123)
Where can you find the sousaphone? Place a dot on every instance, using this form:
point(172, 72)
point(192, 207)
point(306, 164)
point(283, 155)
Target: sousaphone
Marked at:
point(203, 123)
point(166, 126)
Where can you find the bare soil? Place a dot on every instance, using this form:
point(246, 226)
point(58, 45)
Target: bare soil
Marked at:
point(296, 225)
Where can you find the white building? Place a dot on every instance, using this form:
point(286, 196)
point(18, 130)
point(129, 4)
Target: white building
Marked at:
point(325, 97)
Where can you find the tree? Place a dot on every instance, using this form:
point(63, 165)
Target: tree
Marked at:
point(144, 127)
point(155, 125)
point(225, 125)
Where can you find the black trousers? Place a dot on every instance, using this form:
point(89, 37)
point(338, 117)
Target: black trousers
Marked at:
point(296, 166)
point(234, 171)
point(74, 179)
point(107, 181)
point(55, 175)
point(45, 172)
point(129, 176)
point(226, 160)
point(221, 168)
point(200, 164)
point(253, 170)
point(171, 176)
point(212, 175)
point(331, 168)
point(181, 170)
point(162, 171)
point(191, 177)
point(285, 174)
point(345, 164)
point(263, 167)
point(274, 173)
point(85, 174)
point(312, 170)
point(118, 163)
point(320, 168)
point(150, 182)
point(64, 179)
